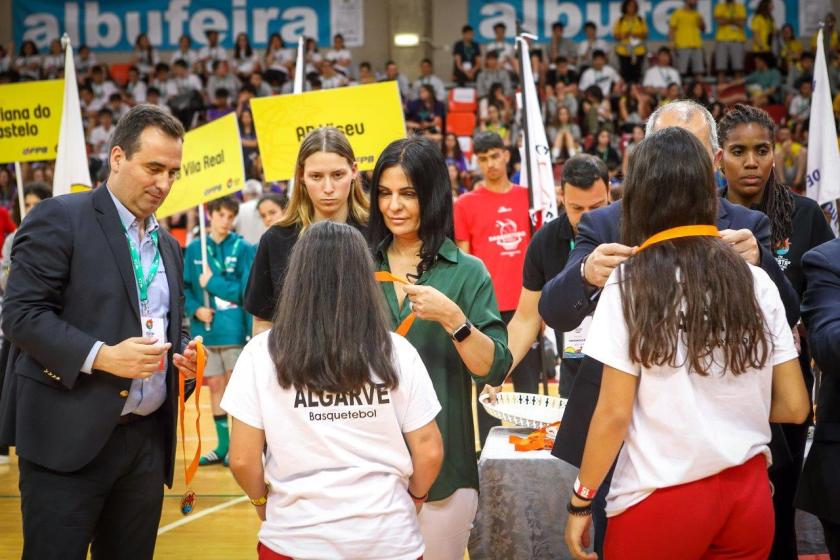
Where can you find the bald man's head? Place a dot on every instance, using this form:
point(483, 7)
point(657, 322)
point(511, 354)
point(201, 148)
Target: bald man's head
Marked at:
point(691, 116)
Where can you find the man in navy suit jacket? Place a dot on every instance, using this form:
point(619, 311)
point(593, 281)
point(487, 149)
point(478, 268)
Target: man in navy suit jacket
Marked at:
point(573, 294)
point(819, 492)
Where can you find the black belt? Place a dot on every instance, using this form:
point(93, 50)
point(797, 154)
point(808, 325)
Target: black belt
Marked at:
point(130, 418)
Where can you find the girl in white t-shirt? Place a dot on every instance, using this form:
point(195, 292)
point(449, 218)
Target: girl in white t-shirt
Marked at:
point(345, 409)
point(698, 358)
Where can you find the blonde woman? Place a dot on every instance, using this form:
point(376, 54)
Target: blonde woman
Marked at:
point(327, 187)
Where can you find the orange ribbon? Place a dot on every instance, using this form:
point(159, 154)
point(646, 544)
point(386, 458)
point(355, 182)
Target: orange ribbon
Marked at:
point(384, 276)
point(681, 231)
point(189, 471)
point(535, 440)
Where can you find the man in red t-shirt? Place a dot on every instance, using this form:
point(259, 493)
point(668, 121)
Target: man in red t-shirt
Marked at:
point(492, 223)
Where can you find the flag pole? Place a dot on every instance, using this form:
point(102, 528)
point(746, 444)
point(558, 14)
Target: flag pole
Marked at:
point(205, 267)
point(522, 46)
point(19, 179)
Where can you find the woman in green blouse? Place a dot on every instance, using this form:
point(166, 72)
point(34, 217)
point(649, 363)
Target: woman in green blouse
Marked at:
point(458, 330)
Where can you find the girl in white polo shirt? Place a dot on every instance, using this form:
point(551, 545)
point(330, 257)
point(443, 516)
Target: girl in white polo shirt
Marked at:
point(698, 357)
point(345, 409)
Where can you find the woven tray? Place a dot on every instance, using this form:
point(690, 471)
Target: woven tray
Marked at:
point(525, 409)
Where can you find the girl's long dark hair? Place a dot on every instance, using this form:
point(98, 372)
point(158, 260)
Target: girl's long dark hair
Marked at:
point(330, 329)
point(694, 290)
point(777, 202)
point(422, 162)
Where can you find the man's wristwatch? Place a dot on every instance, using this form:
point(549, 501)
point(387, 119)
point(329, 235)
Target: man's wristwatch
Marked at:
point(462, 332)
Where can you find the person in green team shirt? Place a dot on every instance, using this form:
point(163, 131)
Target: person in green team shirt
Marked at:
point(458, 330)
point(219, 318)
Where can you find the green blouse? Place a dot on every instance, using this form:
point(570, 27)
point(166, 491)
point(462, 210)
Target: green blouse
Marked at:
point(464, 280)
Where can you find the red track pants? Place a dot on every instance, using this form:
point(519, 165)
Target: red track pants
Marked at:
point(725, 516)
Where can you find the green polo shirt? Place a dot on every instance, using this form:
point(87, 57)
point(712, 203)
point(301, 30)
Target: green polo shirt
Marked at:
point(463, 279)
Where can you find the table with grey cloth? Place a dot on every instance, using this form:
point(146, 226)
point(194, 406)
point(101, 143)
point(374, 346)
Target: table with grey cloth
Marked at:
point(522, 502)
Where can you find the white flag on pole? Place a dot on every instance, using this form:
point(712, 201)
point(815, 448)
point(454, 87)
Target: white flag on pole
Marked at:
point(71, 163)
point(299, 67)
point(823, 181)
point(536, 154)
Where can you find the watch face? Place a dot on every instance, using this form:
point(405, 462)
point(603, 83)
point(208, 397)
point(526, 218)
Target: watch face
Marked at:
point(462, 332)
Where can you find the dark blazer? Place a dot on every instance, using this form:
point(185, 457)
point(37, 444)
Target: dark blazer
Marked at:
point(72, 284)
point(564, 303)
point(819, 492)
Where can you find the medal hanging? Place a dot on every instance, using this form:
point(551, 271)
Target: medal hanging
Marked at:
point(385, 276)
point(188, 501)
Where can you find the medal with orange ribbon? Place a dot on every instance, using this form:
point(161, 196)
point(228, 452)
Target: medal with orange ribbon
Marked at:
point(679, 232)
point(189, 498)
point(384, 276)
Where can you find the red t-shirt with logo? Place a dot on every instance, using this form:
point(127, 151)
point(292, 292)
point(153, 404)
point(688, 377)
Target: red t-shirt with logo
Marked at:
point(496, 226)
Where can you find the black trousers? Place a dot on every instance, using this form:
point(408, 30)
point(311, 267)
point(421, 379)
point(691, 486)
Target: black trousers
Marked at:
point(526, 379)
point(111, 505)
point(631, 72)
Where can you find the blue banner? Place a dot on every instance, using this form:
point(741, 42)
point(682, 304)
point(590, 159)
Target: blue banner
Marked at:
point(537, 16)
point(115, 24)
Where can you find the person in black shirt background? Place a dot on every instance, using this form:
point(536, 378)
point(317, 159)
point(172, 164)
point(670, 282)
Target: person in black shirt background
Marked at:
point(747, 137)
point(326, 187)
point(584, 187)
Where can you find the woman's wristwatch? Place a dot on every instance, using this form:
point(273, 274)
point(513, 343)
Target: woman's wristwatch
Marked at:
point(462, 332)
point(262, 501)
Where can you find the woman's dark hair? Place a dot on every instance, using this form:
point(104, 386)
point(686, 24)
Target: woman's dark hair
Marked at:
point(42, 190)
point(148, 49)
point(626, 4)
point(329, 332)
point(28, 43)
point(432, 97)
point(238, 52)
point(694, 290)
point(458, 153)
point(422, 162)
point(763, 8)
point(271, 40)
point(777, 201)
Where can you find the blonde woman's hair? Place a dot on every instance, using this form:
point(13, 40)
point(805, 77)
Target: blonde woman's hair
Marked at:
point(301, 211)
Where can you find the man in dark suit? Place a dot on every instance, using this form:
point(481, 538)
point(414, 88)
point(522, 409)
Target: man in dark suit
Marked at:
point(819, 492)
point(94, 306)
point(573, 294)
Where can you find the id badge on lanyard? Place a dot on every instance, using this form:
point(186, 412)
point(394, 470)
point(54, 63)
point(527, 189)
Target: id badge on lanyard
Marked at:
point(150, 326)
point(153, 327)
point(574, 340)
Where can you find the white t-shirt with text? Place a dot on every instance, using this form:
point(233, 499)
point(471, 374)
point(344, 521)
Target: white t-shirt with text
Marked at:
point(338, 464)
point(687, 426)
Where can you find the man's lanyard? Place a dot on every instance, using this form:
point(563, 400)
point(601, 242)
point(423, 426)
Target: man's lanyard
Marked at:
point(571, 244)
point(143, 282)
point(211, 255)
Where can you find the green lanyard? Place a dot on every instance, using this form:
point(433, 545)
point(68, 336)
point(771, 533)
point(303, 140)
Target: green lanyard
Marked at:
point(572, 244)
point(211, 254)
point(143, 282)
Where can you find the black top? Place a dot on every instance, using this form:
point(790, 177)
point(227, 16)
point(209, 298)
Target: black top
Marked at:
point(269, 269)
point(810, 229)
point(554, 77)
point(547, 253)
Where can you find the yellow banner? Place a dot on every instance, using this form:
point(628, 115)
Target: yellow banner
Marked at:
point(211, 166)
point(370, 116)
point(30, 117)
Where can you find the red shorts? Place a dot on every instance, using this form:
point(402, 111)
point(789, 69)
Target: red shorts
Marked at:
point(727, 515)
point(266, 553)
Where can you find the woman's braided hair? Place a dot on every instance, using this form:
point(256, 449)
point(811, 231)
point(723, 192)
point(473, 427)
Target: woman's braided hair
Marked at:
point(777, 202)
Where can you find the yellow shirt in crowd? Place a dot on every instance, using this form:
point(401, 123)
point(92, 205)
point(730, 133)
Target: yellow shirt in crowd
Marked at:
point(628, 25)
point(731, 32)
point(686, 26)
point(762, 29)
point(790, 50)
